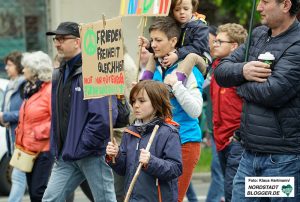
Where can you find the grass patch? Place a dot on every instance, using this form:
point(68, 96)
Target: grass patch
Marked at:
point(203, 164)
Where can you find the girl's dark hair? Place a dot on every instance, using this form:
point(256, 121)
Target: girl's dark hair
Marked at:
point(158, 94)
point(15, 57)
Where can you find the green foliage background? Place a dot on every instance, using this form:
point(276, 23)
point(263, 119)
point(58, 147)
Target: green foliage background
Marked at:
point(223, 11)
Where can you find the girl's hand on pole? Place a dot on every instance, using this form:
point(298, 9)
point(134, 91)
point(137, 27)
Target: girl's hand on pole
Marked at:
point(144, 157)
point(143, 41)
point(112, 148)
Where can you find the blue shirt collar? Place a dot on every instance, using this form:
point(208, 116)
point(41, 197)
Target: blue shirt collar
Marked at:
point(73, 60)
point(70, 65)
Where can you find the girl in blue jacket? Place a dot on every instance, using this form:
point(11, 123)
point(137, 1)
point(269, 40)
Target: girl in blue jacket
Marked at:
point(162, 164)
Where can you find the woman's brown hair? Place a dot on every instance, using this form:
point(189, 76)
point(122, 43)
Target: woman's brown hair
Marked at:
point(15, 57)
point(158, 94)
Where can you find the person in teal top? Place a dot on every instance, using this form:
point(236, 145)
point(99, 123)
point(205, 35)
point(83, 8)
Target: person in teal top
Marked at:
point(184, 112)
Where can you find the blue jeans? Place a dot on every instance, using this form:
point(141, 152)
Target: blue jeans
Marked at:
point(216, 188)
point(18, 188)
point(230, 158)
point(267, 165)
point(67, 176)
point(190, 194)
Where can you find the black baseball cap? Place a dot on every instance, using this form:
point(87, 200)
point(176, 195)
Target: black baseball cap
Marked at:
point(66, 28)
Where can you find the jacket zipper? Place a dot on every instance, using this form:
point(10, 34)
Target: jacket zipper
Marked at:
point(25, 102)
point(158, 191)
point(279, 126)
point(275, 113)
point(137, 148)
point(137, 159)
point(245, 106)
point(57, 121)
point(276, 118)
point(265, 44)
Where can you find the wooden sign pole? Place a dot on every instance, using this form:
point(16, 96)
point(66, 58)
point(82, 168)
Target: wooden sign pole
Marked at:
point(109, 105)
point(141, 31)
point(138, 170)
point(111, 123)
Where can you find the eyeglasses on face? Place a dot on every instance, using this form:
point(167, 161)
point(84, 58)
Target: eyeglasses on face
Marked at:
point(219, 42)
point(61, 39)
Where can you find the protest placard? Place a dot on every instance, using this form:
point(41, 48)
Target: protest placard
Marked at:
point(145, 7)
point(102, 58)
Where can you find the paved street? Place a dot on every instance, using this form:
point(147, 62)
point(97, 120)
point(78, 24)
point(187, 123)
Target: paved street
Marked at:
point(200, 183)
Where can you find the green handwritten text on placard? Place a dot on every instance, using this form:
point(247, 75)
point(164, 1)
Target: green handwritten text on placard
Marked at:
point(102, 90)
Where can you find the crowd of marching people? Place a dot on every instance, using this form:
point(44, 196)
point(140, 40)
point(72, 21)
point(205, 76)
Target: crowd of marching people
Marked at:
point(252, 110)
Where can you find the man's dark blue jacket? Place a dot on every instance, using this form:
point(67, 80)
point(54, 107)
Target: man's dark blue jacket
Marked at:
point(87, 122)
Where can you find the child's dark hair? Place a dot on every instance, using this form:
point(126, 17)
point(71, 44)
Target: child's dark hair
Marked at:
point(15, 57)
point(195, 4)
point(158, 94)
point(166, 25)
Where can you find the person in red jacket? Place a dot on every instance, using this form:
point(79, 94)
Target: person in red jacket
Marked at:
point(33, 130)
point(227, 106)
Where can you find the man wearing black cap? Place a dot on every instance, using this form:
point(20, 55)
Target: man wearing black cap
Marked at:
point(80, 128)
